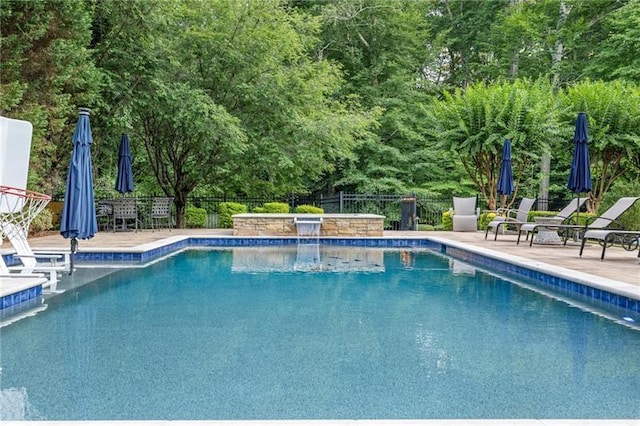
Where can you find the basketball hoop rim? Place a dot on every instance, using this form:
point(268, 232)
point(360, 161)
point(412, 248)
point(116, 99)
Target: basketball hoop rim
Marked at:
point(25, 193)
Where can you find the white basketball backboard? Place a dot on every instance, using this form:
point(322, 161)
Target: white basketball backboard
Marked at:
point(15, 150)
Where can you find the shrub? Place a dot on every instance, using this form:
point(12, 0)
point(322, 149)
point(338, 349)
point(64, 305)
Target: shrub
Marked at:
point(631, 218)
point(55, 207)
point(41, 223)
point(447, 222)
point(539, 213)
point(485, 218)
point(582, 218)
point(275, 208)
point(425, 227)
point(195, 217)
point(227, 210)
point(304, 208)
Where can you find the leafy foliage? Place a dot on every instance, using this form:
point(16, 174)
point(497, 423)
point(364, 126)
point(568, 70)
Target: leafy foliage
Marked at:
point(613, 111)
point(619, 55)
point(272, 208)
point(472, 125)
point(303, 208)
point(227, 210)
point(187, 139)
point(195, 217)
point(47, 72)
point(316, 97)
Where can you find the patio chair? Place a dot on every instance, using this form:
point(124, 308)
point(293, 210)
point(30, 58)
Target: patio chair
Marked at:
point(563, 216)
point(104, 212)
point(629, 240)
point(515, 217)
point(607, 229)
point(464, 214)
point(608, 221)
point(125, 210)
point(161, 211)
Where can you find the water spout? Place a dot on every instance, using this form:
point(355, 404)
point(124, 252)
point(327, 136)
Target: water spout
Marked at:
point(308, 226)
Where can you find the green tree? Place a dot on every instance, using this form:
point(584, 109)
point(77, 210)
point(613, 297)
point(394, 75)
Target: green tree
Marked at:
point(613, 111)
point(460, 28)
point(381, 47)
point(618, 56)
point(128, 51)
point(256, 60)
point(189, 140)
point(46, 74)
point(472, 124)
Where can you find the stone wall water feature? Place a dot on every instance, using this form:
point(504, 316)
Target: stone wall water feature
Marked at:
point(333, 225)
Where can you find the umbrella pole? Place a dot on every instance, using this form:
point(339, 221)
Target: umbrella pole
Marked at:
point(575, 234)
point(74, 247)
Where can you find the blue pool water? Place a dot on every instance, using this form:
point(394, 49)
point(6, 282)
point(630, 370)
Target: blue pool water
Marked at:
point(271, 333)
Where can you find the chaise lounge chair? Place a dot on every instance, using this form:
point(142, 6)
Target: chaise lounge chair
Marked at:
point(516, 217)
point(608, 230)
point(604, 227)
point(629, 240)
point(562, 216)
point(464, 214)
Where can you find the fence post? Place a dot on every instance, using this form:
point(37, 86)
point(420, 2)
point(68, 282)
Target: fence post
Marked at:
point(341, 202)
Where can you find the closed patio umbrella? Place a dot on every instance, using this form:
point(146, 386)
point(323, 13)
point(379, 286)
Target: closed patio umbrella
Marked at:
point(580, 173)
point(124, 179)
point(78, 220)
point(505, 179)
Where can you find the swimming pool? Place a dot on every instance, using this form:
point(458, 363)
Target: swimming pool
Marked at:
point(275, 333)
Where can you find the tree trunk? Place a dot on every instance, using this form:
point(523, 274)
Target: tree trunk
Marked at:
point(556, 58)
point(180, 202)
point(545, 169)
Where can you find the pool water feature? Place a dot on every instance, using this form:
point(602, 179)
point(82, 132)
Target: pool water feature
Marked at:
point(371, 333)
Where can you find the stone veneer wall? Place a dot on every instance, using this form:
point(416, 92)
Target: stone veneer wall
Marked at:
point(333, 225)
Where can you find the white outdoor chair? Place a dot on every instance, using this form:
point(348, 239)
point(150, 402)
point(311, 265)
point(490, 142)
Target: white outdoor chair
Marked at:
point(464, 214)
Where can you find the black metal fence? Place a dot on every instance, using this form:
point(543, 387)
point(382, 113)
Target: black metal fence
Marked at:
point(426, 211)
point(401, 211)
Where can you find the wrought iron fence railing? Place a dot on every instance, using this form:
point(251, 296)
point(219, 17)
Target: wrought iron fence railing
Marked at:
point(425, 210)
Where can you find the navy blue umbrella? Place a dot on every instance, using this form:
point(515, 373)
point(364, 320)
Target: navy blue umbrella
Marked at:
point(124, 179)
point(580, 173)
point(505, 179)
point(78, 220)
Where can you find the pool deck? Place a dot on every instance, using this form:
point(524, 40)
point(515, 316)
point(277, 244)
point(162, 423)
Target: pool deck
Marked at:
point(618, 265)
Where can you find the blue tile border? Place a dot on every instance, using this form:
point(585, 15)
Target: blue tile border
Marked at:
point(544, 280)
point(20, 296)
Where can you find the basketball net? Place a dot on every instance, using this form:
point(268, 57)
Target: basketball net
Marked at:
point(18, 208)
